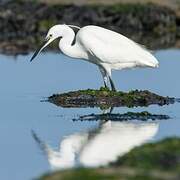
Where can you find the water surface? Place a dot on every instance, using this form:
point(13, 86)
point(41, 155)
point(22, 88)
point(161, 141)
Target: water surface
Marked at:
point(25, 84)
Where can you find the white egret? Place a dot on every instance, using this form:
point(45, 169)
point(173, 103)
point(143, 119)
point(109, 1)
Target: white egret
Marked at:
point(107, 49)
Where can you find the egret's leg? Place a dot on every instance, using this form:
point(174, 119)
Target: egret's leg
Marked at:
point(105, 81)
point(111, 109)
point(107, 71)
point(112, 84)
point(105, 77)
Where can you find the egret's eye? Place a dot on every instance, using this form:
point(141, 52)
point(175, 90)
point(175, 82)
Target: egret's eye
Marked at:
point(50, 35)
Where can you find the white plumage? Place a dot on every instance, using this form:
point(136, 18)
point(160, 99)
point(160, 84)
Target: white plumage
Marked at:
point(113, 49)
point(105, 48)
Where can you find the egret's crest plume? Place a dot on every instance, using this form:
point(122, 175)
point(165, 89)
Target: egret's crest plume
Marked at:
point(72, 26)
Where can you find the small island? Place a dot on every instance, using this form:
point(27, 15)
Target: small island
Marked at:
point(104, 98)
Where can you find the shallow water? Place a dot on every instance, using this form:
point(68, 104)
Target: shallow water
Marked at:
point(25, 84)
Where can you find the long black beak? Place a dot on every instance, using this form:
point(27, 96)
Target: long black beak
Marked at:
point(39, 50)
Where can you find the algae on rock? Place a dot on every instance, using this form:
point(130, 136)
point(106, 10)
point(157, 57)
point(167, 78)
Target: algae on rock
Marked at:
point(106, 98)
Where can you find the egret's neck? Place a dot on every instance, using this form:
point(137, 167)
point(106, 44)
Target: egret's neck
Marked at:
point(65, 44)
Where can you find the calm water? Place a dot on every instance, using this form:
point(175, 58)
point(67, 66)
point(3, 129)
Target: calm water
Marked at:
point(25, 84)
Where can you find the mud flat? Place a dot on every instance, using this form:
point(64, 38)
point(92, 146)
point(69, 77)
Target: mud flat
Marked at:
point(105, 98)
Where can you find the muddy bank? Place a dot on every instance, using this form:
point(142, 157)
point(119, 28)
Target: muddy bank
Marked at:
point(104, 98)
point(23, 24)
point(28, 18)
point(158, 160)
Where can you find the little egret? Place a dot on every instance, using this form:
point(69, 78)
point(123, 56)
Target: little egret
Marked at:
point(105, 48)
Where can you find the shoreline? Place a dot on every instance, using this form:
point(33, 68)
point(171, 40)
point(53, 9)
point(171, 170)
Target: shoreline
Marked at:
point(24, 24)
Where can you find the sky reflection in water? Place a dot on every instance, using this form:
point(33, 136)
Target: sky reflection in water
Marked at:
point(24, 84)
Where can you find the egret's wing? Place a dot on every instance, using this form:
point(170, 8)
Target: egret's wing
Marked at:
point(111, 47)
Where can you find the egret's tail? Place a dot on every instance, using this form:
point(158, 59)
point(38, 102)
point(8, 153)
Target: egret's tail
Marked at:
point(156, 64)
point(152, 63)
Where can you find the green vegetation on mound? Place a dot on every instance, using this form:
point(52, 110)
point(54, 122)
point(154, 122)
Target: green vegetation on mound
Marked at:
point(78, 174)
point(160, 160)
point(105, 98)
point(164, 155)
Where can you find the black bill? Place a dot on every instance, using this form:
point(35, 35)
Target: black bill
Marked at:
point(39, 50)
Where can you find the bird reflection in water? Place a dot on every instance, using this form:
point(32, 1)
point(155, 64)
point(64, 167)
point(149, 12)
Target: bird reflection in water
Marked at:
point(99, 146)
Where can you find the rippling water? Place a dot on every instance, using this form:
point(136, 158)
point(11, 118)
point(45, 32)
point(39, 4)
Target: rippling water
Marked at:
point(25, 84)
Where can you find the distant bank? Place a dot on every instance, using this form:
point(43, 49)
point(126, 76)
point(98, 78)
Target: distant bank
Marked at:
point(31, 19)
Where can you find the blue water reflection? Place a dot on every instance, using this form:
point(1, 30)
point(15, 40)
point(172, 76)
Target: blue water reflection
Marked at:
point(97, 146)
point(25, 84)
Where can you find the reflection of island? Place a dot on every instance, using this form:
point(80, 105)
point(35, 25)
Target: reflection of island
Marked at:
point(99, 146)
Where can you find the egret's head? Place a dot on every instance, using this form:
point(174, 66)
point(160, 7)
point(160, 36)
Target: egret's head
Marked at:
point(53, 33)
